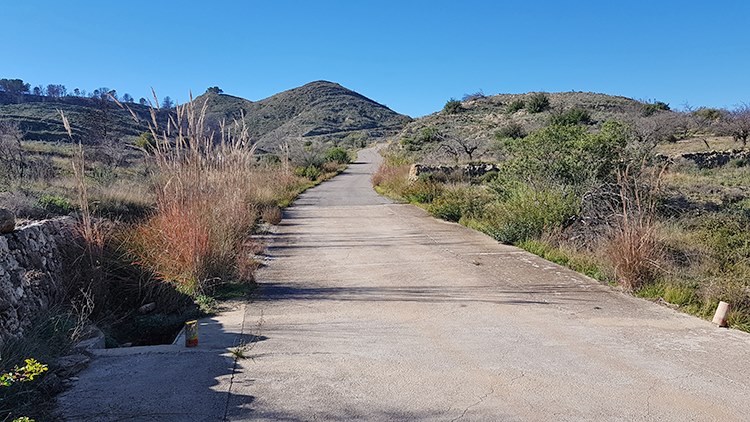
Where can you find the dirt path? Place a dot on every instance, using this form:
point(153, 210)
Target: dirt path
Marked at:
point(376, 311)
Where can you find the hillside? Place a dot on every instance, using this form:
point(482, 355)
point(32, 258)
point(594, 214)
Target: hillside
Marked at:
point(316, 110)
point(478, 119)
point(91, 119)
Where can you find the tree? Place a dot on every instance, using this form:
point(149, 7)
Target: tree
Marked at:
point(660, 127)
point(102, 93)
point(38, 91)
point(12, 162)
point(143, 101)
point(214, 90)
point(127, 98)
point(454, 145)
point(14, 86)
point(452, 106)
point(77, 92)
point(167, 103)
point(702, 122)
point(56, 90)
point(737, 124)
point(649, 108)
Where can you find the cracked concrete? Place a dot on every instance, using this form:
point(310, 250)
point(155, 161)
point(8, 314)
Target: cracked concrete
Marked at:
point(376, 311)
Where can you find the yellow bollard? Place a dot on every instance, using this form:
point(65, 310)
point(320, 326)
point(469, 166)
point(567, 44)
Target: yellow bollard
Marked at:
point(191, 333)
point(720, 317)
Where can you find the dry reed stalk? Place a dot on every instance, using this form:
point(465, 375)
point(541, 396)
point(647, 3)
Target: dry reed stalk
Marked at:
point(634, 248)
point(209, 193)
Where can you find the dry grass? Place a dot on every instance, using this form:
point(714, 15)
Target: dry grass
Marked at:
point(633, 247)
point(209, 196)
point(692, 145)
point(391, 180)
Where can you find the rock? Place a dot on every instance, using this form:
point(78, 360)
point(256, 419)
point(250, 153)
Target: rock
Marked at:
point(94, 339)
point(7, 221)
point(149, 307)
point(67, 366)
point(52, 384)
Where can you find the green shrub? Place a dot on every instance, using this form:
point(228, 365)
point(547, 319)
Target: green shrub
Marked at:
point(338, 155)
point(537, 102)
point(649, 109)
point(511, 130)
point(728, 238)
point(146, 141)
point(453, 106)
point(525, 212)
point(573, 116)
point(447, 207)
point(310, 172)
point(567, 155)
point(428, 134)
point(422, 191)
point(460, 201)
point(514, 106)
point(56, 204)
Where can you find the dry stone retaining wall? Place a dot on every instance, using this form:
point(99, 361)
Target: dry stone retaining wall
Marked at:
point(467, 170)
point(30, 272)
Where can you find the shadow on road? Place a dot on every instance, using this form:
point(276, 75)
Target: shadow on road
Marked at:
point(426, 294)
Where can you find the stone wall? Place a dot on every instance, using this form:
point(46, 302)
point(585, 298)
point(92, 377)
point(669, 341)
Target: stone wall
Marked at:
point(30, 272)
point(710, 159)
point(451, 172)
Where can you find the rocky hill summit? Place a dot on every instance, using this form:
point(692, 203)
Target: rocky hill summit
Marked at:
point(318, 109)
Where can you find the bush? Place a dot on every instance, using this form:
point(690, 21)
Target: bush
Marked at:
point(310, 172)
point(422, 191)
point(511, 130)
point(574, 116)
point(567, 155)
point(525, 212)
point(146, 142)
point(453, 106)
point(634, 252)
point(514, 106)
point(458, 202)
point(649, 109)
point(56, 204)
point(475, 96)
point(537, 103)
point(207, 203)
point(338, 155)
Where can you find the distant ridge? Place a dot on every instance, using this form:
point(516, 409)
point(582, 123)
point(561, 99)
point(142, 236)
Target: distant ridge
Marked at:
point(321, 110)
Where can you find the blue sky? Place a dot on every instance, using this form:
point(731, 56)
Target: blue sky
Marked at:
point(409, 55)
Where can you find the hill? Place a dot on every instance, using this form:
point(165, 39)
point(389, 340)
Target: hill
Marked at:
point(318, 110)
point(91, 119)
point(479, 118)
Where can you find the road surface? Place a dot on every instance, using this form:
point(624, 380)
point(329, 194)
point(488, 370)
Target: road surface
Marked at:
point(370, 310)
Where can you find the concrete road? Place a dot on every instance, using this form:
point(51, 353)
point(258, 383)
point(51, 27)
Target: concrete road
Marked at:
point(370, 310)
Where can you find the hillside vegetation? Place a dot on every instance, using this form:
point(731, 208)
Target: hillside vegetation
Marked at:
point(93, 119)
point(597, 183)
point(478, 120)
